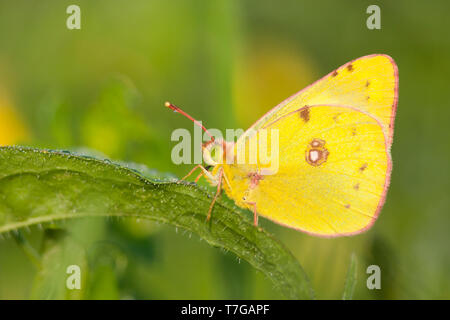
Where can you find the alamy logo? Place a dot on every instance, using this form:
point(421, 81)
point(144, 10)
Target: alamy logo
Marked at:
point(259, 148)
point(374, 20)
point(74, 279)
point(74, 20)
point(374, 280)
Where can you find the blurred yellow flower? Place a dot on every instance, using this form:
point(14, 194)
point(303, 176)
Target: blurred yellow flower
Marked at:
point(264, 75)
point(12, 129)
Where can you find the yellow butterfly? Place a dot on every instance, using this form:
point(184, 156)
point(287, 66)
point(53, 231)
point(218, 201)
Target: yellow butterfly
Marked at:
point(333, 153)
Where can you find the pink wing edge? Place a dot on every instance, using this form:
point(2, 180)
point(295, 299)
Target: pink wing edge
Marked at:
point(385, 188)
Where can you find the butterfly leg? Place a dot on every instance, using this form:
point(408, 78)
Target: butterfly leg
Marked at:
point(219, 185)
point(198, 177)
point(255, 214)
point(190, 172)
point(204, 172)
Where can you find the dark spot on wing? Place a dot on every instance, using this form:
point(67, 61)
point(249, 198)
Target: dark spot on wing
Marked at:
point(347, 206)
point(356, 186)
point(363, 167)
point(350, 67)
point(335, 117)
point(316, 153)
point(367, 98)
point(353, 131)
point(335, 73)
point(367, 83)
point(254, 179)
point(304, 114)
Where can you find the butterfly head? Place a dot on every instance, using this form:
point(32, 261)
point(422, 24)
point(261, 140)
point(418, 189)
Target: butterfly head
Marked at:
point(215, 151)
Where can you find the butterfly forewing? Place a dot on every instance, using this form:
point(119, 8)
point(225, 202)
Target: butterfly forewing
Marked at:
point(369, 83)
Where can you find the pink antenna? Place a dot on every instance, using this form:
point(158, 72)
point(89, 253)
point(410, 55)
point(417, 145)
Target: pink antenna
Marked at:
point(176, 109)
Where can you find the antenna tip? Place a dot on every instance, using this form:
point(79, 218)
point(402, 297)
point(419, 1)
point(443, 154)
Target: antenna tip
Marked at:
point(167, 104)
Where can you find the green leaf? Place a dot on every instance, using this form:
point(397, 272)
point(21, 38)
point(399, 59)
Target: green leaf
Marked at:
point(39, 186)
point(350, 281)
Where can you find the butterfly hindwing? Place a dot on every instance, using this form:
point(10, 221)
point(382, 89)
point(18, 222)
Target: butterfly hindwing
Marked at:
point(333, 171)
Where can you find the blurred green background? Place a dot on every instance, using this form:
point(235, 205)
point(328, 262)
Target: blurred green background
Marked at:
point(226, 62)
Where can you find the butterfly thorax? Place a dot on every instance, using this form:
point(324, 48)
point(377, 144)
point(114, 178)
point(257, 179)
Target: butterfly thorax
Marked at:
point(237, 182)
point(215, 152)
point(236, 179)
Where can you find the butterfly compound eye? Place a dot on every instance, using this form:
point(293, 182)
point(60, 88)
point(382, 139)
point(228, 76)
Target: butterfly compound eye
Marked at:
point(213, 152)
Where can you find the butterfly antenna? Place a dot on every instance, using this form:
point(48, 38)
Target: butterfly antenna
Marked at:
point(176, 109)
